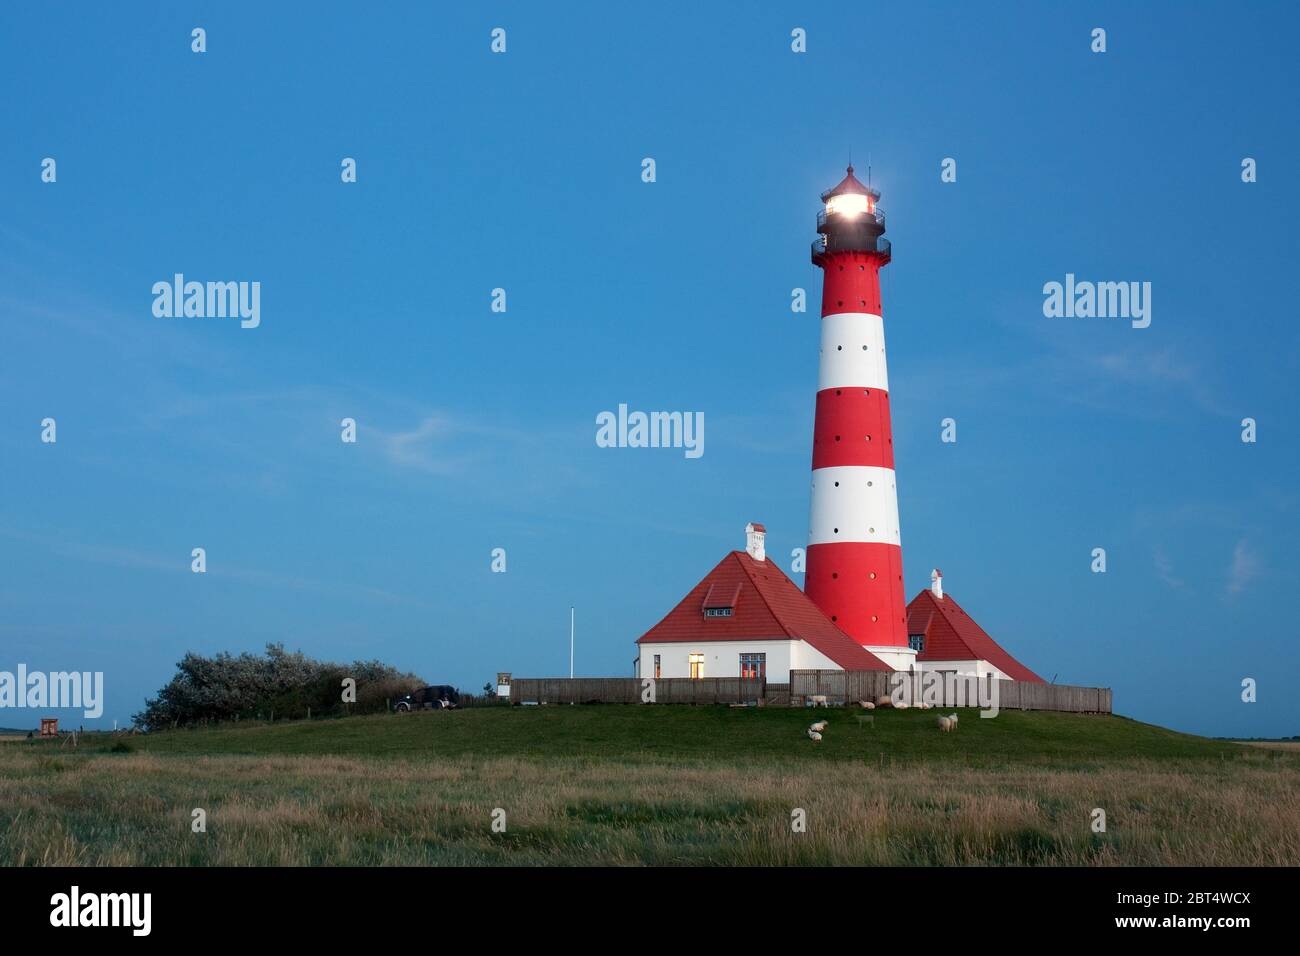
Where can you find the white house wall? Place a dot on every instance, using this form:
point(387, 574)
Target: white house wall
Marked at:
point(722, 658)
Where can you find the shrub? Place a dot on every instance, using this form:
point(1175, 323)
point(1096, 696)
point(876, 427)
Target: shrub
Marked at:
point(226, 687)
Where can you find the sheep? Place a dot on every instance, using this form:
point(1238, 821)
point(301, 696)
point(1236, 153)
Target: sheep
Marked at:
point(901, 705)
point(818, 727)
point(814, 735)
point(953, 718)
point(884, 700)
point(867, 705)
point(945, 724)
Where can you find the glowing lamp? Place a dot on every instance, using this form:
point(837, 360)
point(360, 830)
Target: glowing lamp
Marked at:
point(848, 205)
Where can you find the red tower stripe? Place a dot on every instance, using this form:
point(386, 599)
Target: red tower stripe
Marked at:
point(851, 427)
point(859, 586)
point(851, 283)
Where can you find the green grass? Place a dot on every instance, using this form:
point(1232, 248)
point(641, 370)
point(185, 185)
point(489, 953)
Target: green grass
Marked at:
point(626, 785)
point(632, 732)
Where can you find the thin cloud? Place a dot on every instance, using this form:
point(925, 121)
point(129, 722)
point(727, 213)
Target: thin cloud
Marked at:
point(428, 447)
point(1165, 569)
point(1244, 569)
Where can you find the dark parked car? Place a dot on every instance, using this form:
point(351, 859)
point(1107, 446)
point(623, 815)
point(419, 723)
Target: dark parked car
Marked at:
point(439, 696)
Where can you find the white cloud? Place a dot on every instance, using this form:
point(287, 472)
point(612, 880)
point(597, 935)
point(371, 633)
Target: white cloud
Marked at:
point(1244, 568)
point(428, 447)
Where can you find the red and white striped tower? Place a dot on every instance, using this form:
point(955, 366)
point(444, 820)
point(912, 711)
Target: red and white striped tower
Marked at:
point(854, 567)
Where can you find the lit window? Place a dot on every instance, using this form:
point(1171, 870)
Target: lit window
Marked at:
point(657, 673)
point(848, 205)
point(717, 612)
point(696, 662)
point(916, 642)
point(753, 666)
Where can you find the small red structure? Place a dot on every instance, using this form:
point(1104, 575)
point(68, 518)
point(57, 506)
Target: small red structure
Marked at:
point(946, 637)
point(49, 726)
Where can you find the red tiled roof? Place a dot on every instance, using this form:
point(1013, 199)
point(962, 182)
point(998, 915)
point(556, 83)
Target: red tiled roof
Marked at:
point(952, 635)
point(766, 605)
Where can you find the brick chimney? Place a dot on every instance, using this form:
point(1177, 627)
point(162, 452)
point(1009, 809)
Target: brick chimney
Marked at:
point(936, 583)
point(754, 535)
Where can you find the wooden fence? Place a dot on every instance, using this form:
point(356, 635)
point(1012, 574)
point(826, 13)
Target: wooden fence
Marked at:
point(837, 687)
point(852, 686)
point(630, 690)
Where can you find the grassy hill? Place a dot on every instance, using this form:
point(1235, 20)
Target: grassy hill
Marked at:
point(632, 732)
point(659, 785)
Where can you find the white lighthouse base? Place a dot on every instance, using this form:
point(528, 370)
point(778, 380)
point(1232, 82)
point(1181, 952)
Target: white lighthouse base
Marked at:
point(899, 658)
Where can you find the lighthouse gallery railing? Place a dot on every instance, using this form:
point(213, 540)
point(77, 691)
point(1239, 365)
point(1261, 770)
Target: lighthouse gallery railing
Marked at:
point(882, 246)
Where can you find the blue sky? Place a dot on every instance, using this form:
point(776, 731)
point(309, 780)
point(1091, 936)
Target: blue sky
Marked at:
point(477, 429)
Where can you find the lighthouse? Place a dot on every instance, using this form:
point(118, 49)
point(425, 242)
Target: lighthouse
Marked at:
point(745, 618)
point(854, 570)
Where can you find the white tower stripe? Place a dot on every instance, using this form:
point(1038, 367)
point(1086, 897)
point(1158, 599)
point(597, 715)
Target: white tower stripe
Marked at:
point(853, 352)
point(854, 503)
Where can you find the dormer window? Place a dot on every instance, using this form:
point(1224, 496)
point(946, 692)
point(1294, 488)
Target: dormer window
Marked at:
point(916, 642)
point(720, 602)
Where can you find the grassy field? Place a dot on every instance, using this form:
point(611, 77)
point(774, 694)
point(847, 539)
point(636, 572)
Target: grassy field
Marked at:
point(666, 785)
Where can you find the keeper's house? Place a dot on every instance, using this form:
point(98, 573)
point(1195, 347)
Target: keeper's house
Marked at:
point(747, 619)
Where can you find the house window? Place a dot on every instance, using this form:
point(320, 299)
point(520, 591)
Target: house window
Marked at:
point(657, 671)
point(916, 642)
point(696, 662)
point(753, 665)
point(717, 612)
